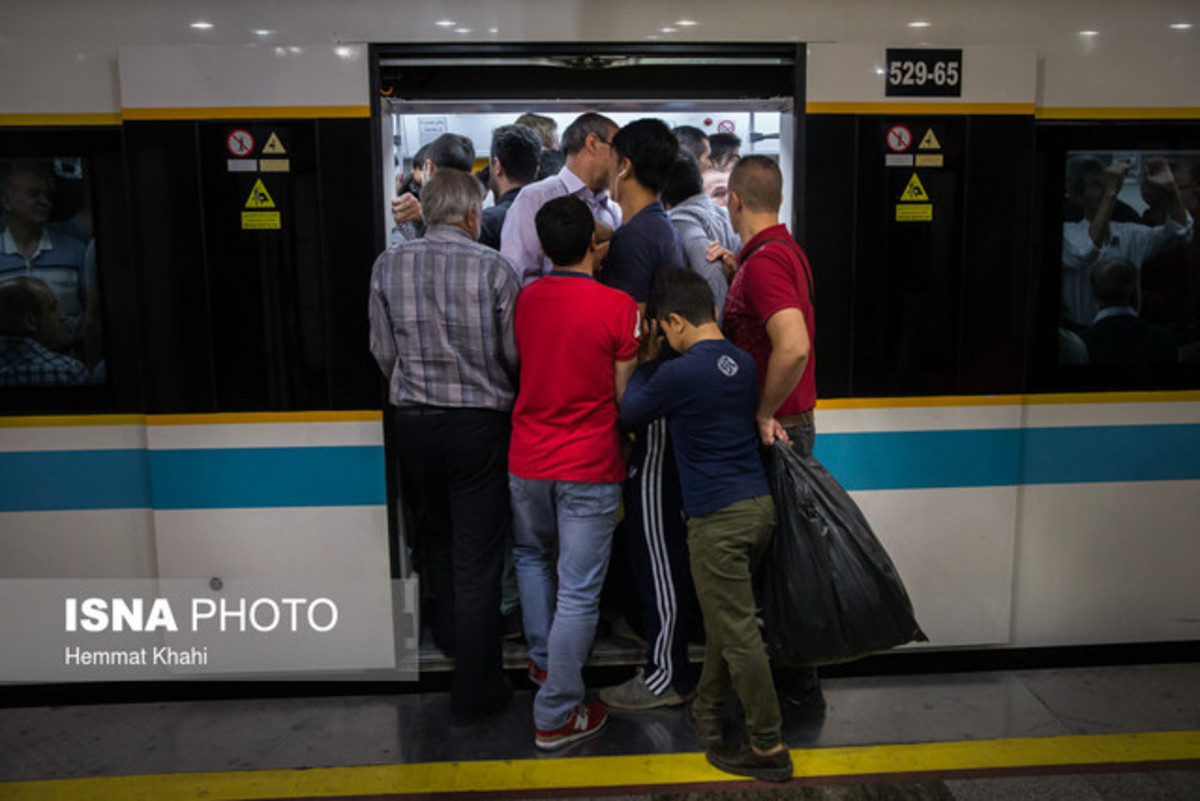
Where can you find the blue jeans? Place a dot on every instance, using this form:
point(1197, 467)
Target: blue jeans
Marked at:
point(560, 627)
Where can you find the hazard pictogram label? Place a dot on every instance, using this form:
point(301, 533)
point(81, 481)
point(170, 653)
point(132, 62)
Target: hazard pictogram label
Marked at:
point(930, 142)
point(273, 146)
point(914, 191)
point(899, 138)
point(240, 142)
point(261, 199)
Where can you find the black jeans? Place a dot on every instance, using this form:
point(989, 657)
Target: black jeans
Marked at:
point(454, 474)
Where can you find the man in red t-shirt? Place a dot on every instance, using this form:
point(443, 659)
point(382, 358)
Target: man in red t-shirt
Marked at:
point(578, 342)
point(769, 314)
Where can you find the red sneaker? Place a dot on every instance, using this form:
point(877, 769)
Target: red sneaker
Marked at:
point(536, 674)
point(586, 720)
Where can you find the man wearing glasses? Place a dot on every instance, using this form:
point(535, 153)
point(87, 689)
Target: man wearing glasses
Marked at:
point(586, 143)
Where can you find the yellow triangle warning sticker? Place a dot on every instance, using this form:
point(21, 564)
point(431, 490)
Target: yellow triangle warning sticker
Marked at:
point(914, 191)
point(261, 199)
point(930, 142)
point(275, 148)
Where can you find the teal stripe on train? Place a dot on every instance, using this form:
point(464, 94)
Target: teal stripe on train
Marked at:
point(225, 478)
point(1005, 457)
point(344, 476)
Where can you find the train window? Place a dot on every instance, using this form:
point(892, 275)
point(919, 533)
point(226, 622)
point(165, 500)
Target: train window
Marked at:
point(1120, 302)
point(50, 315)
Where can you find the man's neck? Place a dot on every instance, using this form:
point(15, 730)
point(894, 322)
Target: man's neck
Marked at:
point(575, 164)
point(701, 333)
point(26, 235)
point(504, 185)
point(754, 224)
point(585, 267)
point(633, 198)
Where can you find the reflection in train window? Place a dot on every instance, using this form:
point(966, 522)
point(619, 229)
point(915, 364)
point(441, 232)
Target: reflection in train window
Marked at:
point(1130, 259)
point(50, 329)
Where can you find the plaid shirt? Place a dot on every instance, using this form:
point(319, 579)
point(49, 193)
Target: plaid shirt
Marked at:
point(441, 310)
point(25, 362)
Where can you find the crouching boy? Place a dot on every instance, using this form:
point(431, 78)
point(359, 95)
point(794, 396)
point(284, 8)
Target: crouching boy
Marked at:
point(709, 396)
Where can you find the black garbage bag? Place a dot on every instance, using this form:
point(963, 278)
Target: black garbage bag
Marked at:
point(829, 591)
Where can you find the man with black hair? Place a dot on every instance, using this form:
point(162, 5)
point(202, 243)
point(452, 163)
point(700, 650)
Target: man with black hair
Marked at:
point(515, 151)
point(701, 224)
point(708, 396)
point(694, 141)
point(586, 142)
point(447, 151)
point(726, 150)
point(577, 341)
point(645, 246)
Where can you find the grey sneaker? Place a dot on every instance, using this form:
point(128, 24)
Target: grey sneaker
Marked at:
point(634, 694)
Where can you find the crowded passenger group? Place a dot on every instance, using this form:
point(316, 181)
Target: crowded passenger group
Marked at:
point(604, 335)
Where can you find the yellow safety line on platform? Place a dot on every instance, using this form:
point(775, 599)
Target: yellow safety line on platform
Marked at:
point(947, 108)
point(245, 112)
point(618, 771)
point(58, 120)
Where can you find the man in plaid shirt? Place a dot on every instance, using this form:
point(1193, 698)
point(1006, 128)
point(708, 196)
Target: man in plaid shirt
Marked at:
point(31, 324)
point(441, 313)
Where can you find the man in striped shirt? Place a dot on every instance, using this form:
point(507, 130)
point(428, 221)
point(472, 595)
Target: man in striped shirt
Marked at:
point(441, 314)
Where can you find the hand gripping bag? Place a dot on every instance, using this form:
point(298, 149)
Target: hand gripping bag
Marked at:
point(829, 591)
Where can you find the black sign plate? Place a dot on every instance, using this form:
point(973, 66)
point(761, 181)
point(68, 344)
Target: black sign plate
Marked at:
point(924, 73)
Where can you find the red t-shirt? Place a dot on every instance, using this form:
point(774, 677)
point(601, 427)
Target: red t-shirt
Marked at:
point(772, 278)
point(570, 329)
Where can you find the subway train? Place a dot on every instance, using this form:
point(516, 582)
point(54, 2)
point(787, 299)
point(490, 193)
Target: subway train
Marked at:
point(227, 171)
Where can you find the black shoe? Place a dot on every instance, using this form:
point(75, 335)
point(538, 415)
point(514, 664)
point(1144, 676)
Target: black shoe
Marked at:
point(810, 702)
point(708, 729)
point(741, 760)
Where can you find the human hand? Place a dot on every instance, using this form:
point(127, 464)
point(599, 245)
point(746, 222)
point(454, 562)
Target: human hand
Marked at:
point(770, 429)
point(1114, 176)
point(1157, 179)
point(652, 340)
point(406, 208)
point(718, 253)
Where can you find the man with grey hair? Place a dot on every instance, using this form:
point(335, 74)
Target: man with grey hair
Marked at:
point(441, 315)
point(586, 143)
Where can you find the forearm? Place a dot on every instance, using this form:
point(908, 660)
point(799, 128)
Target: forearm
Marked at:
point(1099, 224)
point(784, 370)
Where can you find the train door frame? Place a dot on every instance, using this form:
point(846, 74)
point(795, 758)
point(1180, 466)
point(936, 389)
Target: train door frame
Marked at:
point(555, 73)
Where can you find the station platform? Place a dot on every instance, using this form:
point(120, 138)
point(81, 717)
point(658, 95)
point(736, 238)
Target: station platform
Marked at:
point(1130, 732)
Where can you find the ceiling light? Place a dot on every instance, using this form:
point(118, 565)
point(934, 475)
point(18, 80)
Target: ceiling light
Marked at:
point(1089, 33)
point(445, 23)
point(879, 71)
point(1181, 26)
point(920, 23)
point(344, 52)
point(263, 32)
point(686, 23)
point(669, 29)
point(493, 30)
point(462, 30)
point(202, 26)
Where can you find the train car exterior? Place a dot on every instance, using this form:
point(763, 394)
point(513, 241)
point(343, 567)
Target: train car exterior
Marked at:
point(236, 433)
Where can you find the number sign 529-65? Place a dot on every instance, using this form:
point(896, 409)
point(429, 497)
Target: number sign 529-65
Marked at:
point(924, 73)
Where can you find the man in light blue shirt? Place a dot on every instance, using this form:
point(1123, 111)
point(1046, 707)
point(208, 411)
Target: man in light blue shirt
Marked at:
point(586, 142)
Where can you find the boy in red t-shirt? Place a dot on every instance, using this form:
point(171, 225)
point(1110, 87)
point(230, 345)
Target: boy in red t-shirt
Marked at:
point(577, 341)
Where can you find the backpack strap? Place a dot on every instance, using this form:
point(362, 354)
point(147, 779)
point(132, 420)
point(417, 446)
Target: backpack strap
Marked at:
point(800, 253)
